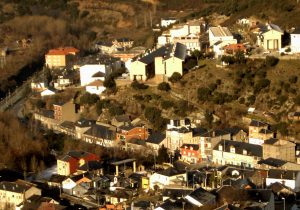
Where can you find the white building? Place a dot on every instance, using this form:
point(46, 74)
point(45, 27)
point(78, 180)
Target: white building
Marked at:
point(159, 63)
point(237, 153)
point(295, 41)
point(91, 73)
point(222, 34)
point(95, 87)
point(47, 92)
point(290, 179)
point(165, 22)
point(191, 41)
point(167, 177)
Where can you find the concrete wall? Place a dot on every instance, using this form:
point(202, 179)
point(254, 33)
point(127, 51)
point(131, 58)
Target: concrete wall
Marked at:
point(272, 40)
point(87, 71)
point(173, 64)
point(295, 43)
point(138, 71)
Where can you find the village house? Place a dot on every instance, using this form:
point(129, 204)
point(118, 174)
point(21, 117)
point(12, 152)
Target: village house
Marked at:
point(201, 197)
point(46, 118)
point(165, 22)
point(100, 134)
point(60, 57)
point(259, 132)
point(295, 41)
point(273, 163)
point(190, 153)
point(279, 149)
point(62, 81)
point(159, 63)
point(269, 37)
point(95, 87)
point(167, 177)
point(156, 140)
point(209, 139)
point(14, 193)
point(222, 35)
point(71, 185)
point(288, 178)
point(191, 41)
point(81, 126)
point(92, 72)
point(121, 120)
point(69, 163)
point(123, 43)
point(237, 153)
point(38, 86)
point(128, 132)
point(68, 111)
point(106, 47)
point(179, 132)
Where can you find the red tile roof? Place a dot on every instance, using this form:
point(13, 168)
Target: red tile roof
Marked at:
point(235, 47)
point(63, 51)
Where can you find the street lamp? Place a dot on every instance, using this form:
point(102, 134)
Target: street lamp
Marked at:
point(283, 203)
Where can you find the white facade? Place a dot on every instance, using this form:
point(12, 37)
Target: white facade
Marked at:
point(94, 88)
point(192, 42)
point(220, 34)
point(162, 180)
point(179, 31)
point(47, 92)
point(223, 158)
point(256, 141)
point(295, 43)
point(87, 72)
point(167, 22)
point(287, 182)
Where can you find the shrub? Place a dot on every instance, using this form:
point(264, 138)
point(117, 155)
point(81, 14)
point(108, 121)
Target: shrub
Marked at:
point(251, 99)
point(164, 86)
point(242, 100)
point(138, 86)
point(282, 99)
point(297, 100)
point(166, 104)
point(176, 77)
point(203, 93)
point(89, 99)
point(153, 114)
point(261, 84)
point(293, 79)
point(102, 104)
point(115, 110)
point(271, 61)
point(109, 83)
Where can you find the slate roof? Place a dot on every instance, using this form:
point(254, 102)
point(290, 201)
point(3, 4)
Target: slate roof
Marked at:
point(47, 113)
point(101, 131)
point(271, 141)
point(252, 149)
point(14, 187)
point(282, 174)
point(273, 162)
point(127, 127)
point(84, 123)
point(57, 178)
point(175, 193)
point(220, 31)
point(68, 125)
point(233, 130)
point(202, 196)
point(156, 137)
point(170, 172)
point(256, 123)
point(194, 146)
point(99, 74)
point(175, 204)
point(297, 114)
point(123, 118)
point(180, 51)
point(160, 52)
point(91, 166)
point(199, 131)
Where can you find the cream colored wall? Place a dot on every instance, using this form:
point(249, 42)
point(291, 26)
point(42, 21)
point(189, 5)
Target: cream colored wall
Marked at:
point(138, 68)
point(283, 152)
point(173, 64)
point(7, 197)
point(220, 157)
point(159, 66)
point(55, 60)
point(272, 35)
point(63, 168)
